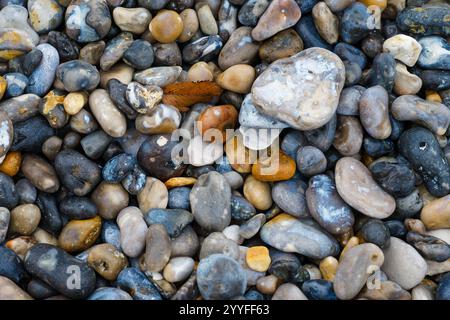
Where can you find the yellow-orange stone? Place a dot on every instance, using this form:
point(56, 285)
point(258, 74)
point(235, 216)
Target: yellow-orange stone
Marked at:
point(258, 258)
point(274, 168)
point(379, 3)
point(166, 26)
point(79, 235)
point(328, 268)
point(179, 182)
point(353, 242)
point(436, 214)
point(433, 96)
point(3, 85)
point(11, 163)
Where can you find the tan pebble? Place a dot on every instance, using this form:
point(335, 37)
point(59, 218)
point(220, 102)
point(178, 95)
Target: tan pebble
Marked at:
point(190, 24)
point(166, 26)
point(406, 82)
point(436, 214)
point(326, 22)
point(238, 78)
point(42, 236)
point(433, 96)
point(21, 245)
point(180, 182)
point(153, 195)
point(200, 72)
point(268, 284)
point(163, 118)
point(107, 261)
point(241, 158)
point(352, 242)
point(24, 219)
point(10, 291)
point(288, 291)
point(415, 225)
point(206, 19)
point(79, 235)
point(258, 258)
point(258, 193)
point(120, 71)
point(75, 101)
point(282, 45)
point(134, 20)
point(110, 199)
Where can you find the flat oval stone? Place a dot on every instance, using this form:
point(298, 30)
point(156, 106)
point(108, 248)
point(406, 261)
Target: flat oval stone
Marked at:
point(112, 121)
point(289, 234)
point(280, 15)
point(425, 20)
point(56, 268)
point(40, 173)
point(79, 235)
point(133, 230)
point(403, 48)
point(239, 49)
point(158, 76)
point(327, 207)
point(21, 108)
point(326, 22)
point(211, 216)
point(78, 75)
point(356, 23)
point(153, 195)
point(435, 53)
point(295, 81)
point(76, 172)
point(376, 232)
point(403, 264)
point(174, 220)
point(374, 112)
point(429, 247)
point(433, 115)
point(178, 269)
point(282, 45)
point(354, 269)
point(87, 20)
point(140, 55)
point(110, 199)
point(41, 79)
point(420, 147)
point(115, 49)
point(290, 197)
point(220, 277)
point(158, 248)
point(356, 186)
point(349, 135)
point(288, 291)
point(78, 207)
point(134, 20)
point(10, 291)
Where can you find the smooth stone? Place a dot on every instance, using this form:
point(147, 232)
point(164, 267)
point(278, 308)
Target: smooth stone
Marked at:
point(220, 277)
point(372, 44)
point(78, 75)
point(133, 230)
point(350, 53)
point(16, 84)
point(24, 219)
point(419, 146)
point(186, 244)
point(356, 23)
point(282, 45)
point(326, 22)
point(51, 220)
point(319, 289)
point(251, 227)
point(178, 269)
point(45, 15)
point(80, 23)
point(310, 161)
point(355, 268)
point(259, 138)
point(74, 102)
point(158, 76)
point(153, 195)
point(112, 121)
point(406, 83)
point(422, 292)
point(107, 293)
point(289, 234)
point(40, 290)
point(158, 247)
point(85, 123)
point(111, 233)
point(41, 79)
point(403, 48)
point(115, 49)
point(136, 283)
point(116, 168)
point(218, 243)
point(382, 72)
point(425, 20)
point(21, 108)
point(338, 5)
point(288, 291)
point(106, 260)
point(134, 181)
point(239, 49)
point(374, 112)
point(56, 268)
point(356, 186)
point(431, 248)
point(79, 235)
point(208, 24)
point(289, 196)
point(241, 209)
point(92, 52)
point(403, 264)
point(5, 216)
point(40, 173)
point(388, 290)
point(309, 34)
point(377, 148)
point(327, 207)
point(190, 24)
point(251, 11)
point(15, 17)
point(139, 55)
point(349, 135)
point(435, 215)
point(29, 135)
point(227, 19)
point(66, 47)
point(174, 220)
point(435, 53)
point(143, 99)
point(11, 291)
point(434, 79)
point(376, 232)
point(110, 199)
point(257, 258)
point(279, 15)
point(434, 115)
point(211, 216)
point(237, 78)
point(6, 133)
point(12, 267)
point(204, 48)
point(232, 232)
point(134, 20)
point(258, 193)
point(281, 78)
point(267, 284)
point(117, 92)
point(166, 26)
point(78, 207)
point(76, 172)
point(349, 101)
point(120, 71)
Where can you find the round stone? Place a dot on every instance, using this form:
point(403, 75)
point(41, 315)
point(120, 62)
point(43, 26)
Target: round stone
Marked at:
point(257, 258)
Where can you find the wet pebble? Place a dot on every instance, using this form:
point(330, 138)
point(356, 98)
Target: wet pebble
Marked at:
point(133, 230)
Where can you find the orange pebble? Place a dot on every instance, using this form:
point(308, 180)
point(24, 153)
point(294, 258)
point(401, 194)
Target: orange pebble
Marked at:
point(11, 164)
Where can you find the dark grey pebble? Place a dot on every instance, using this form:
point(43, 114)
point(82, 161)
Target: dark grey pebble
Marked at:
point(241, 209)
point(66, 47)
point(289, 195)
point(40, 290)
point(26, 191)
point(116, 168)
point(117, 93)
point(309, 34)
point(51, 219)
point(139, 55)
point(179, 198)
point(95, 144)
point(8, 194)
point(26, 63)
point(431, 248)
point(203, 49)
point(11, 266)
point(322, 137)
point(174, 220)
point(78, 75)
point(133, 281)
point(135, 180)
point(78, 208)
point(376, 232)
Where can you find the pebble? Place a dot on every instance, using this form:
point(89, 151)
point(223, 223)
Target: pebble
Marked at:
point(110, 199)
point(435, 53)
point(40, 173)
point(6, 133)
point(258, 258)
point(190, 24)
point(79, 235)
point(11, 291)
point(5, 216)
point(282, 45)
point(239, 49)
point(111, 233)
point(106, 260)
point(92, 52)
point(109, 117)
point(356, 186)
point(274, 168)
point(12, 267)
point(78, 23)
point(16, 84)
point(178, 269)
point(153, 195)
point(78, 207)
point(382, 72)
point(166, 26)
point(41, 79)
point(174, 220)
point(403, 264)
point(257, 193)
point(288, 291)
point(204, 48)
point(355, 268)
point(218, 243)
point(133, 230)
point(328, 268)
point(289, 196)
point(115, 49)
point(435, 214)
point(135, 20)
point(429, 247)
point(279, 15)
point(311, 161)
point(137, 285)
point(120, 71)
point(376, 232)
point(327, 207)
point(157, 251)
point(419, 146)
point(11, 163)
point(186, 244)
point(56, 268)
point(285, 80)
point(406, 83)
point(24, 219)
point(319, 290)
point(424, 20)
point(443, 289)
point(241, 209)
point(356, 23)
point(140, 55)
point(349, 135)
point(220, 277)
point(403, 48)
point(66, 47)
point(74, 102)
point(326, 22)
point(309, 34)
point(252, 226)
point(374, 112)
point(78, 75)
point(289, 234)
point(106, 293)
point(238, 78)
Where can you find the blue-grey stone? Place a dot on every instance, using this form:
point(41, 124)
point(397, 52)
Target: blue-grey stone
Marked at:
point(41, 80)
point(106, 293)
point(435, 53)
point(16, 84)
point(133, 281)
point(173, 219)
